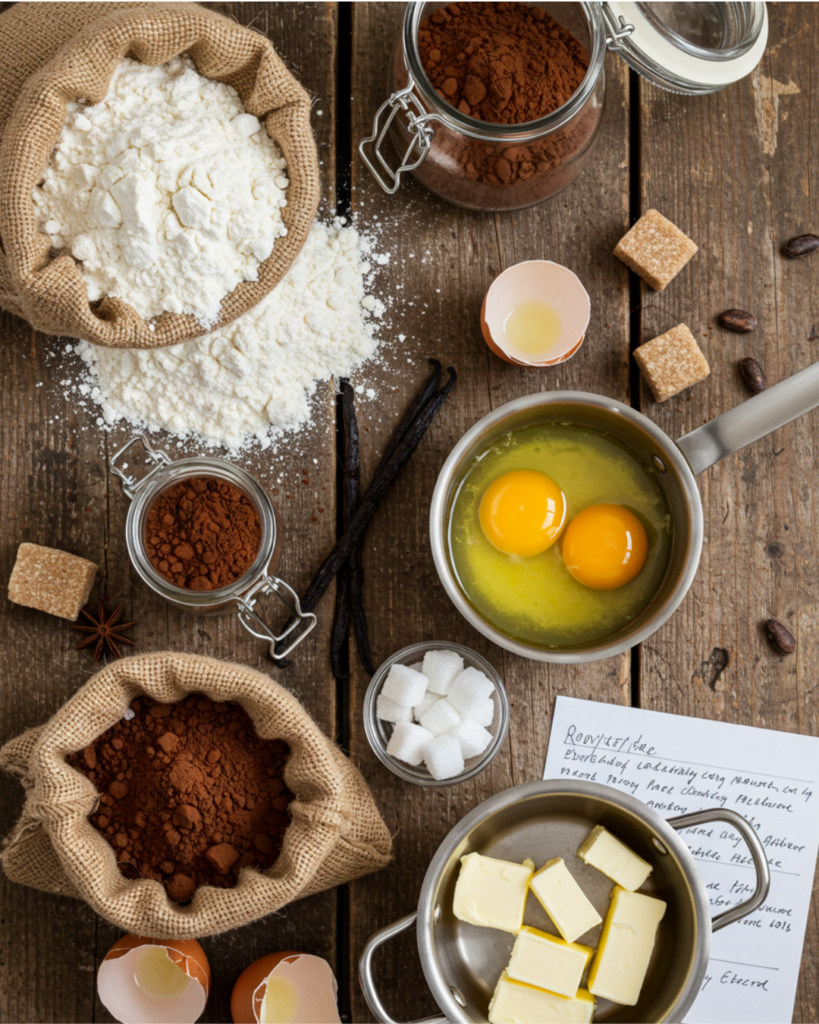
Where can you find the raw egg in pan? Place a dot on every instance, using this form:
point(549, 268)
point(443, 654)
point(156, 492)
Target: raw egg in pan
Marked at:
point(153, 981)
point(605, 546)
point(285, 988)
point(522, 512)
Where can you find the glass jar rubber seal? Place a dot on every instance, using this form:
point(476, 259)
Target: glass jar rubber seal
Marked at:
point(240, 596)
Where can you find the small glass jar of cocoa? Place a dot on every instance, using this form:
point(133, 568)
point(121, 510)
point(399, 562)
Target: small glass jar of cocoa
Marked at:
point(496, 106)
point(202, 533)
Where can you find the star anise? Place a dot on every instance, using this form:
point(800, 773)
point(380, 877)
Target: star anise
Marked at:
point(103, 633)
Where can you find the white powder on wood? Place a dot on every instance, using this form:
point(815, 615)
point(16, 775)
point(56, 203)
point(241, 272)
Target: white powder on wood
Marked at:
point(168, 191)
point(254, 377)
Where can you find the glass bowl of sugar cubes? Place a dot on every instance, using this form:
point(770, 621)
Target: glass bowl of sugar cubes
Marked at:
point(436, 713)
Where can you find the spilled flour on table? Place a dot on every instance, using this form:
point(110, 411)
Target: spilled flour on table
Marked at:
point(253, 380)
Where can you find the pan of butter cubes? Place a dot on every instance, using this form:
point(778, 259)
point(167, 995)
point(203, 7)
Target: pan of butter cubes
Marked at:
point(566, 901)
point(436, 713)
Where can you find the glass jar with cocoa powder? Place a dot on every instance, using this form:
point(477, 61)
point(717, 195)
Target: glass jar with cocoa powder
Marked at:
point(172, 509)
point(497, 106)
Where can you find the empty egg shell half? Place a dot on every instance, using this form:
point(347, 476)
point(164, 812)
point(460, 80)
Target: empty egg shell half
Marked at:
point(285, 988)
point(154, 981)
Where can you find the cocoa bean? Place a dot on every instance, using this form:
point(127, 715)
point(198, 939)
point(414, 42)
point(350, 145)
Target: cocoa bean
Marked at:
point(737, 320)
point(802, 245)
point(781, 639)
point(753, 375)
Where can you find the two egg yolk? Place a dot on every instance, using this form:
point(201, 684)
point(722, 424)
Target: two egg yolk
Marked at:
point(524, 512)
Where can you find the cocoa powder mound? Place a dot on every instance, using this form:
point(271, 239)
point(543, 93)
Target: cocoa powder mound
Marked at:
point(189, 794)
point(505, 63)
point(202, 534)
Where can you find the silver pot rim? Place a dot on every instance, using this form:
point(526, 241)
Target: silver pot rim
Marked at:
point(451, 470)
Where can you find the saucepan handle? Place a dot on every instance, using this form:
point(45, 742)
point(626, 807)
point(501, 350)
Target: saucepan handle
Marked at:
point(365, 971)
point(763, 875)
point(750, 420)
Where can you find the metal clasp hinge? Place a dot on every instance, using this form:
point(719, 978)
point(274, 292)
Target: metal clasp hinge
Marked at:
point(621, 29)
point(130, 484)
point(418, 126)
point(302, 622)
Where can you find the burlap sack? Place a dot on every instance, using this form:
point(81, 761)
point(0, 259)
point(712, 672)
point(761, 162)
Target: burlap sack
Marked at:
point(336, 833)
point(54, 52)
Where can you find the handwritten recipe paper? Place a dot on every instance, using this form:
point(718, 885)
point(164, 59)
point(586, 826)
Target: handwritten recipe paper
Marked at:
point(678, 765)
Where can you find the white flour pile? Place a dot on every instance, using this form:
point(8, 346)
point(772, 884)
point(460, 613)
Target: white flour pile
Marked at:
point(253, 378)
point(168, 191)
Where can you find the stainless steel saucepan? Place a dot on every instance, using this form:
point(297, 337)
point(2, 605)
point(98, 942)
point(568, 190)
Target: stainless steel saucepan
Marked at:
point(541, 820)
point(676, 463)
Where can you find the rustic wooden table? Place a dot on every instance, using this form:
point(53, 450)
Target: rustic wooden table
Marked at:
point(737, 170)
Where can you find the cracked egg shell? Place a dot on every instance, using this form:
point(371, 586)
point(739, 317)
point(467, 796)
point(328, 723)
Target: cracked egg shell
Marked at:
point(285, 988)
point(154, 981)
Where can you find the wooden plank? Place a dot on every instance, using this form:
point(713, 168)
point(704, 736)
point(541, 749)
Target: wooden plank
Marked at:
point(735, 171)
point(442, 260)
point(58, 492)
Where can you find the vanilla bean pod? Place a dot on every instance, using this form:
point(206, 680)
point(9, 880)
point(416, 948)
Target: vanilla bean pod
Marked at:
point(355, 567)
point(350, 500)
point(399, 455)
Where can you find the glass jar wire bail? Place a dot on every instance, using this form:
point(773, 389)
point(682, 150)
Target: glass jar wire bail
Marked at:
point(418, 121)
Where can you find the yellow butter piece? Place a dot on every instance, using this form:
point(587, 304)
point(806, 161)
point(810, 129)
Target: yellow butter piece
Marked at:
point(516, 1003)
point(620, 964)
point(548, 962)
point(492, 893)
point(605, 852)
point(563, 900)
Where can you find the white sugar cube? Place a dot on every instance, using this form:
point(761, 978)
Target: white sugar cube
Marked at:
point(443, 757)
point(440, 718)
point(389, 711)
point(472, 738)
point(418, 667)
point(441, 668)
point(484, 714)
point(407, 741)
point(405, 686)
point(426, 703)
point(470, 690)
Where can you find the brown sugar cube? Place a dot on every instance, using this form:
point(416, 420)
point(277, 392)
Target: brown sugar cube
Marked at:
point(51, 581)
point(671, 362)
point(655, 249)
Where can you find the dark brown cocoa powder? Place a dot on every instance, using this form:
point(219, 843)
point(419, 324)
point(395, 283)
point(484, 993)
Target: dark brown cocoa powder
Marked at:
point(506, 63)
point(189, 794)
point(202, 534)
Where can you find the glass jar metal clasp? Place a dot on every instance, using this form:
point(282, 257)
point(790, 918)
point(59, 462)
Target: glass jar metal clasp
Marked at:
point(620, 29)
point(130, 484)
point(418, 126)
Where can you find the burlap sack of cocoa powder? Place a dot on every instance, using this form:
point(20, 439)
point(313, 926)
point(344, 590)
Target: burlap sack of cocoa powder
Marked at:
point(335, 835)
point(51, 53)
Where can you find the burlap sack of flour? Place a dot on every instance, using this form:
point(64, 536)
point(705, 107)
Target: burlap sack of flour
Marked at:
point(336, 833)
point(54, 52)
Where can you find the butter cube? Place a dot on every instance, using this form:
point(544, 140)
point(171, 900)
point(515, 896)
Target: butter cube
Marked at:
point(603, 851)
point(516, 1003)
point(548, 962)
point(563, 900)
point(620, 965)
point(492, 893)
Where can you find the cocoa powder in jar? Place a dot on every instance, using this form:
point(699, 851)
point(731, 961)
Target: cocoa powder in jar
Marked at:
point(506, 63)
point(529, 66)
point(189, 794)
point(202, 534)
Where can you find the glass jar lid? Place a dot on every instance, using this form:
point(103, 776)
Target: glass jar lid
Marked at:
point(690, 48)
